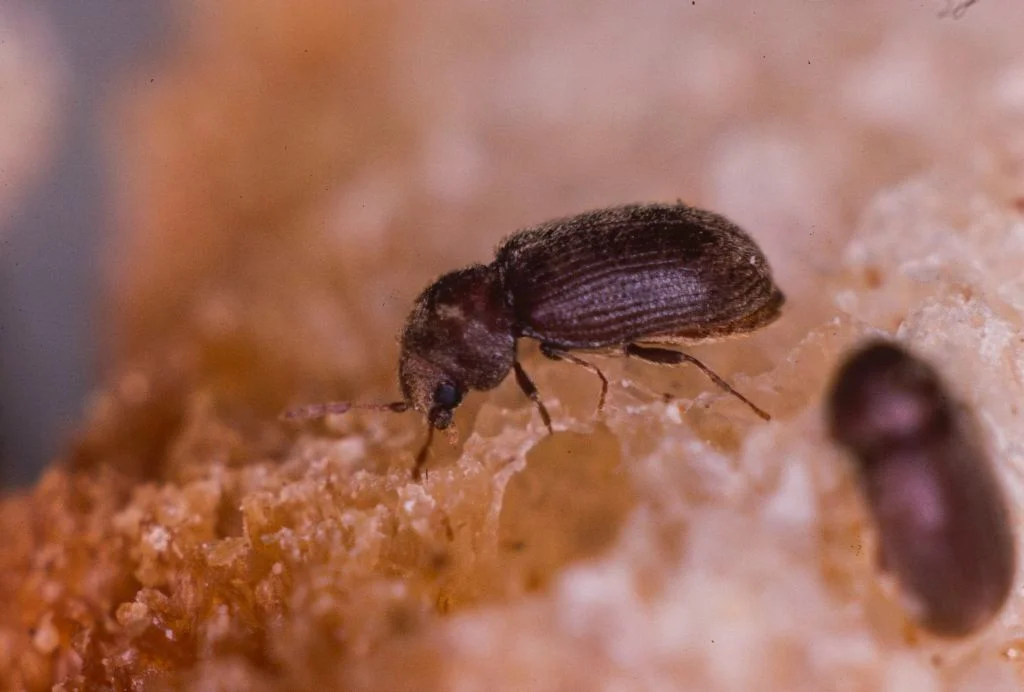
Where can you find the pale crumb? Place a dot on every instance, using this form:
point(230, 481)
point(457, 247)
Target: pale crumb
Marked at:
point(159, 538)
point(46, 638)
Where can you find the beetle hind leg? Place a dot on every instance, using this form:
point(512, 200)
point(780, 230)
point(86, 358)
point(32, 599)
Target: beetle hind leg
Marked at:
point(557, 354)
point(664, 356)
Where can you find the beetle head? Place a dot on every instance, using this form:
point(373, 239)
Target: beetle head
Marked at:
point(884, 397)
point(458, 337)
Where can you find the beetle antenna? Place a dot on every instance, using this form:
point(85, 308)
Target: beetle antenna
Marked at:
point(330, 408)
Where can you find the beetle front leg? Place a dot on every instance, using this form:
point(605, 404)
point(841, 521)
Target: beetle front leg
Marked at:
point(530, 390)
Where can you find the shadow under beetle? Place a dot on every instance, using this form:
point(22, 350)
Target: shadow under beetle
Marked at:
point(619, 281)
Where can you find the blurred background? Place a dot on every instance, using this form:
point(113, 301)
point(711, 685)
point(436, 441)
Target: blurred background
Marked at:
point(244, 198)
point(59, 65)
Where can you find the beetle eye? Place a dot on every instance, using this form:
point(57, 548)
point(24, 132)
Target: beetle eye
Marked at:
point(447, 396)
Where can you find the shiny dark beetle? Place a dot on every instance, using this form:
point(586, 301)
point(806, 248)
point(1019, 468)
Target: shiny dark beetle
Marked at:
point(620, 281)
point(944, 528)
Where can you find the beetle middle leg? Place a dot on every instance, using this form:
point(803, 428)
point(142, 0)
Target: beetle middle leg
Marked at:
point(530, 390)
point(555, 353)
point(664, 356)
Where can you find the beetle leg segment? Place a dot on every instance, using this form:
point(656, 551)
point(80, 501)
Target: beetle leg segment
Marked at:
point(421, 456)
point(664, 356)
point(557, 354)
point(530, 390)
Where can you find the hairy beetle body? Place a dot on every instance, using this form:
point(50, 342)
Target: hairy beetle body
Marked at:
point(614, 280)
point(943, 524)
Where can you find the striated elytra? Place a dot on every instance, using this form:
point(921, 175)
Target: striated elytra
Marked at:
point(944, 528)
point(619, 281)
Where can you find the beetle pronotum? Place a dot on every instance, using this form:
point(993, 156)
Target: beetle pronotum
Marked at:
point(625, 280)
point(944, 528)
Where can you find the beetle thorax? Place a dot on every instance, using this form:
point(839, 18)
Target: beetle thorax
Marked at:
point(459, 332)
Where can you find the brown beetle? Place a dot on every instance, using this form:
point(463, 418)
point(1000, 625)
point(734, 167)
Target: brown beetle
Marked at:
point(943, 524)
point(621, 281)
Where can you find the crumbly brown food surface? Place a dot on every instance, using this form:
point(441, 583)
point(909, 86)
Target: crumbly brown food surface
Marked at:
point(285, 194)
